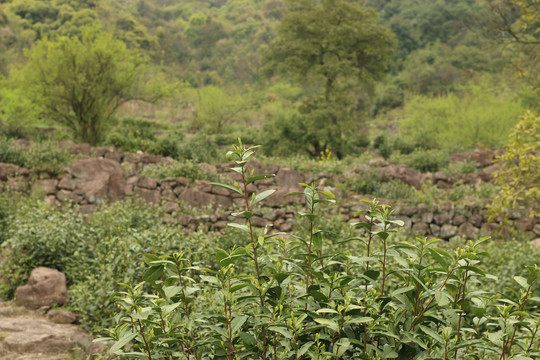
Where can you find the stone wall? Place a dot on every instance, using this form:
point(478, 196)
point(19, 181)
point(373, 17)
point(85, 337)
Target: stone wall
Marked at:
point(91, 181)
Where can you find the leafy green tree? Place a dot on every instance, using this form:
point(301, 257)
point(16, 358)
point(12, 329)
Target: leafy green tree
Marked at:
point(336, 49)
point(80, 83)
point(215, 108)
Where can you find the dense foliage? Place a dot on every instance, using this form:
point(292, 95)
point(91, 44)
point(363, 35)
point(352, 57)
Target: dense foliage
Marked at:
point(290, 296)
point(222, 51)
point(519, 175)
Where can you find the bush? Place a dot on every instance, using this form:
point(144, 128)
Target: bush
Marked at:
point(11, 154)
point(423, 160)
point(132, 134)
point(365, 183)
point(395, 189)
point(461, 120)
point(200, 148)
point(303, 295)
point(462, 167)
point(169, 143)
point(45, 157)
point(519, 174)
point(95, 253)
point(48, 158)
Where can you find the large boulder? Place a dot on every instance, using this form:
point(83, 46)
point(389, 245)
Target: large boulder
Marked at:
point(45, 287)
point(98, 179)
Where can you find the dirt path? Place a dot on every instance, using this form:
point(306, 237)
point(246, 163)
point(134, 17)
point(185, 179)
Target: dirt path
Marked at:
point(27, 335)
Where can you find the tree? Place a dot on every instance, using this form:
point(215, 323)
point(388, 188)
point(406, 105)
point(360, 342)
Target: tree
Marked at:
point(216, 108)
point(81, 82)
point(519, 174)
point(336, 49)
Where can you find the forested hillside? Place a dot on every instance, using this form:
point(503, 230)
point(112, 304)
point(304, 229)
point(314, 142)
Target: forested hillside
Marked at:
point(219, 56)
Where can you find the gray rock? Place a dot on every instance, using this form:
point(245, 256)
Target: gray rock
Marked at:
point(420, 227)
point(61, 316)
point(442, 219)
point(447, 231)
point(67, 183)
point(45, 287)
point(468, 230)
point(147, 183)
point(150, 196)
point(48, 186)
point(459, 219)
point(435, 229)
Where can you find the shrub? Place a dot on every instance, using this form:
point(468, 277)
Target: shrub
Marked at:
point(95, 253)
point(301, 296)
point(45, 157)
point(366, 182)
point(170, 143)
point(395, 189)
point(424, 160)
point(11, 154)
point(200, 148)
point(459, 121)
point(519, 174)
point(462, 167)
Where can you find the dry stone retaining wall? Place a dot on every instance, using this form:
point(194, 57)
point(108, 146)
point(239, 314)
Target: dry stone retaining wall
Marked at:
point(91, 181)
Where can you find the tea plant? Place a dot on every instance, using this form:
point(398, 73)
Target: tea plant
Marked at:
point(289, 296)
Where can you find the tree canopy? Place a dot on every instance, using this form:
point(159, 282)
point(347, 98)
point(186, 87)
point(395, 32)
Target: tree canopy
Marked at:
point(81, 82)
point(336, 49)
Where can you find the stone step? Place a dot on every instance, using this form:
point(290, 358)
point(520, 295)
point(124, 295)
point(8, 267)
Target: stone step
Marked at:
point(25, 338)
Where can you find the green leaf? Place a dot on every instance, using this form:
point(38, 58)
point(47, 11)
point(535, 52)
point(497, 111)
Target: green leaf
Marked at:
point(326, 311)
point(259, 177)
point(117, 347)
point(342, 345)
point(522, 281)
point(237, 322)
point(148, 258)
point(360, 320)
point(294, 193)
point(228, 187)
point(281, 330)
point(248, 339)
point(332, 325)
point(246, 214)
point(431, 334)
point(402, 290)
point(171, 291)
point(441, 298)
point(167, 309)
point(328, 194)
point(304, 348)
point(153, 273)
point(389, 353)
point(239, 226)
point(262, 196)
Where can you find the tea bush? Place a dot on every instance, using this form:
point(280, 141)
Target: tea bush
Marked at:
point(305, 295)
point(199, 148)
point(423, 160)
point(46, 157)
point(11, 154)
point(95, 253)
